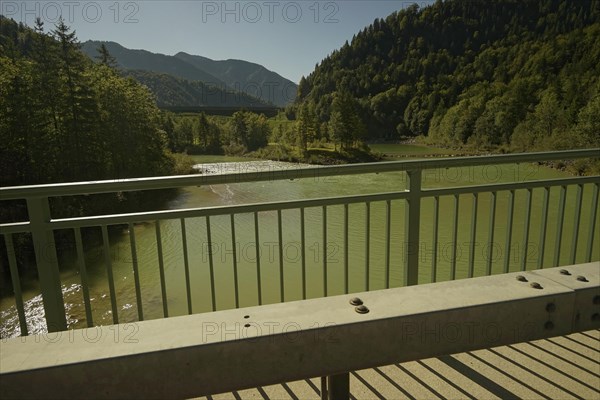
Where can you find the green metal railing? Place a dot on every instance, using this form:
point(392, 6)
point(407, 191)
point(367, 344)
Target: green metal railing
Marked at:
point(42, 226)
point(232, 350)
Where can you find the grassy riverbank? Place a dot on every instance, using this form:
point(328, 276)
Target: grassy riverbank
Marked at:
point(315, 155)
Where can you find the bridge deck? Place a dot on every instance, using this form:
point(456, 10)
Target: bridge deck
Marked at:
point(563, 367)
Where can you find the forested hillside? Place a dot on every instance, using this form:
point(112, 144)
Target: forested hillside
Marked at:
point(513, 75)
point(176, 92)
point(64, 118)
point(251, 78)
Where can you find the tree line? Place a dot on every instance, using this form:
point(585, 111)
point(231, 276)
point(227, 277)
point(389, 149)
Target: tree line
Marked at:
point(65, 118)
point(243, 132)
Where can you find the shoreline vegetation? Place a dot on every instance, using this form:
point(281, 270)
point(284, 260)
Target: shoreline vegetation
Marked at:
point(381, 151)
point(254, 136)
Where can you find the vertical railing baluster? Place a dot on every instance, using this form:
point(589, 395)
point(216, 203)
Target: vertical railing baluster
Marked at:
point(236, 292)
point(434, 241)
point(542, 246)
point(346, 261)
point(16, 282)
point(257, 243)
point(454, 237)
point(109, 271)
point(490, 254)
point(303, 251)
point(186, 265)
point(85, 288)
point(325, 271)
point(577, 221)
point(367, 242)
point(44, 246)
point(136, 272)
point(526, 233)
point(211, 265)
point(412, 223)
point(161, 269)
point(473, 233)
point(559, 225)
point(388, 223)
point(509, 224)
point(590, 241)
point(281, 278)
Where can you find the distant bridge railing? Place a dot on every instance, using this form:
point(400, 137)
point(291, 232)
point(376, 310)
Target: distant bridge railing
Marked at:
point(42, 226)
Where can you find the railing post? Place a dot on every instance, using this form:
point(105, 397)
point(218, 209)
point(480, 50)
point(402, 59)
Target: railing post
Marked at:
point(412, 221)
point(47, 263)
point(336, 387)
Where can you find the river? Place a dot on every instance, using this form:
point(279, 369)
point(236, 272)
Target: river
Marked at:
point(243, 193)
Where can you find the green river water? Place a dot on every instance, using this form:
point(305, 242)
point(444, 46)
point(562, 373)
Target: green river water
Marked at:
point(303, 189)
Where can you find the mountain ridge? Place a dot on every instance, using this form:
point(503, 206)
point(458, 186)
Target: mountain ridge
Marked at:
point(139, 59)
point(171, 91)
point(249, 77)
point(232, 74)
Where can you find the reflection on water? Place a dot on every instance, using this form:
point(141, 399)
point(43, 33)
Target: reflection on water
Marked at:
point(221, 168)
point(35, 315)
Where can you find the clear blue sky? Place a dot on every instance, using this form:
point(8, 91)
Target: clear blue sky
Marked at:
point(288, 37)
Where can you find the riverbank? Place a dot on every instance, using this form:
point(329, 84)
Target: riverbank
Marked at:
point(411, 150)
point(318, 156)
point(397, 151)
point(372, 153)
point(418, 147)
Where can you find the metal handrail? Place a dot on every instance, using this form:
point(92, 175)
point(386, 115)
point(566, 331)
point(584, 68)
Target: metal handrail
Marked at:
point(116, 219)
point(167, 182)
